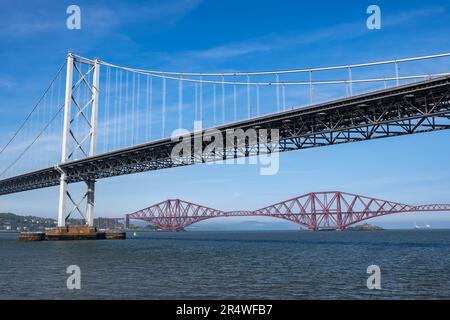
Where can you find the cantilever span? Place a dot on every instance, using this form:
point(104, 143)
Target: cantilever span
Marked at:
point(315, 210)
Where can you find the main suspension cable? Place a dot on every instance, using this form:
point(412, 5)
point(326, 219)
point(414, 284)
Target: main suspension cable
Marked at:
point(304, 70)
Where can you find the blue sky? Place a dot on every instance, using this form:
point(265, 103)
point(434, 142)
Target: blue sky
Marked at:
point(234, 35)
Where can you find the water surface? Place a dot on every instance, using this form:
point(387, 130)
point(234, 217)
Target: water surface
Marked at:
point(415, 264)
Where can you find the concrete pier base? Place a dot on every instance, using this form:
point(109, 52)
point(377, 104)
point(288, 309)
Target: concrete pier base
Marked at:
point(72, 233)
point(32, 236)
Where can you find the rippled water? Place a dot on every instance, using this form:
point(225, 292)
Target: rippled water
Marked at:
point(231, 265)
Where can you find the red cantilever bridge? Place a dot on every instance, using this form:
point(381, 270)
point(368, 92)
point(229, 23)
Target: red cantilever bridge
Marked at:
point(315, 210)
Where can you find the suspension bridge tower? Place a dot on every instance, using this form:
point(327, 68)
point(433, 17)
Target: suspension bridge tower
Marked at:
point(79, 141)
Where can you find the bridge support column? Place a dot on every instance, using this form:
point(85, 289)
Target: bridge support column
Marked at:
point(74, 146)
point(90, 194)
point(62, 201)
point(65, 143)
point(127, 221)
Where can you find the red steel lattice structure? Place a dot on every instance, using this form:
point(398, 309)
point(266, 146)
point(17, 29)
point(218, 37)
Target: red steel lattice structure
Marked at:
point(315, 210)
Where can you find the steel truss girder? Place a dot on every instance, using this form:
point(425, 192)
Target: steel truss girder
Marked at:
point(409, 109)
point(315, 210)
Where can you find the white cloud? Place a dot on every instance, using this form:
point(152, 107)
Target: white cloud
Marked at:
point(412, 15)
point(21, 28)
point(112, 14)
point(99, 17)
point(232, 50)
point(276, 42)
point(6, 82)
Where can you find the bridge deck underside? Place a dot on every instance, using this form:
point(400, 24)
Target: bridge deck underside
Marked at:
point(408, 109)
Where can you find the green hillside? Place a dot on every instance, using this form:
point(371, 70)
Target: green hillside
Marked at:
point(14, 222)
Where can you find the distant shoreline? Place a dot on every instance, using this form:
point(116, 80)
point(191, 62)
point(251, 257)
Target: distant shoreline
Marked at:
point(257, 230)
point(290, 230)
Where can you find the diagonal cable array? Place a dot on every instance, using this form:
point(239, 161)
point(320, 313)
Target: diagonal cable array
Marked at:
point(34, 125)
point(27, 118)
point(28, 147)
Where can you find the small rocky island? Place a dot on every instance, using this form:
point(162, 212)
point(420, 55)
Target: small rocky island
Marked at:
point(365, 227)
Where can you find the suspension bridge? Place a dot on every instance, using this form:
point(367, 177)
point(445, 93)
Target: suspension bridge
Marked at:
point(97, 120)
point(315, 211)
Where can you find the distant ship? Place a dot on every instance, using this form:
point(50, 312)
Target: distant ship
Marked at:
point(427, 226)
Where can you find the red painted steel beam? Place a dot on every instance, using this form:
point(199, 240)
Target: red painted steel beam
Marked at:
point(315, 210)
